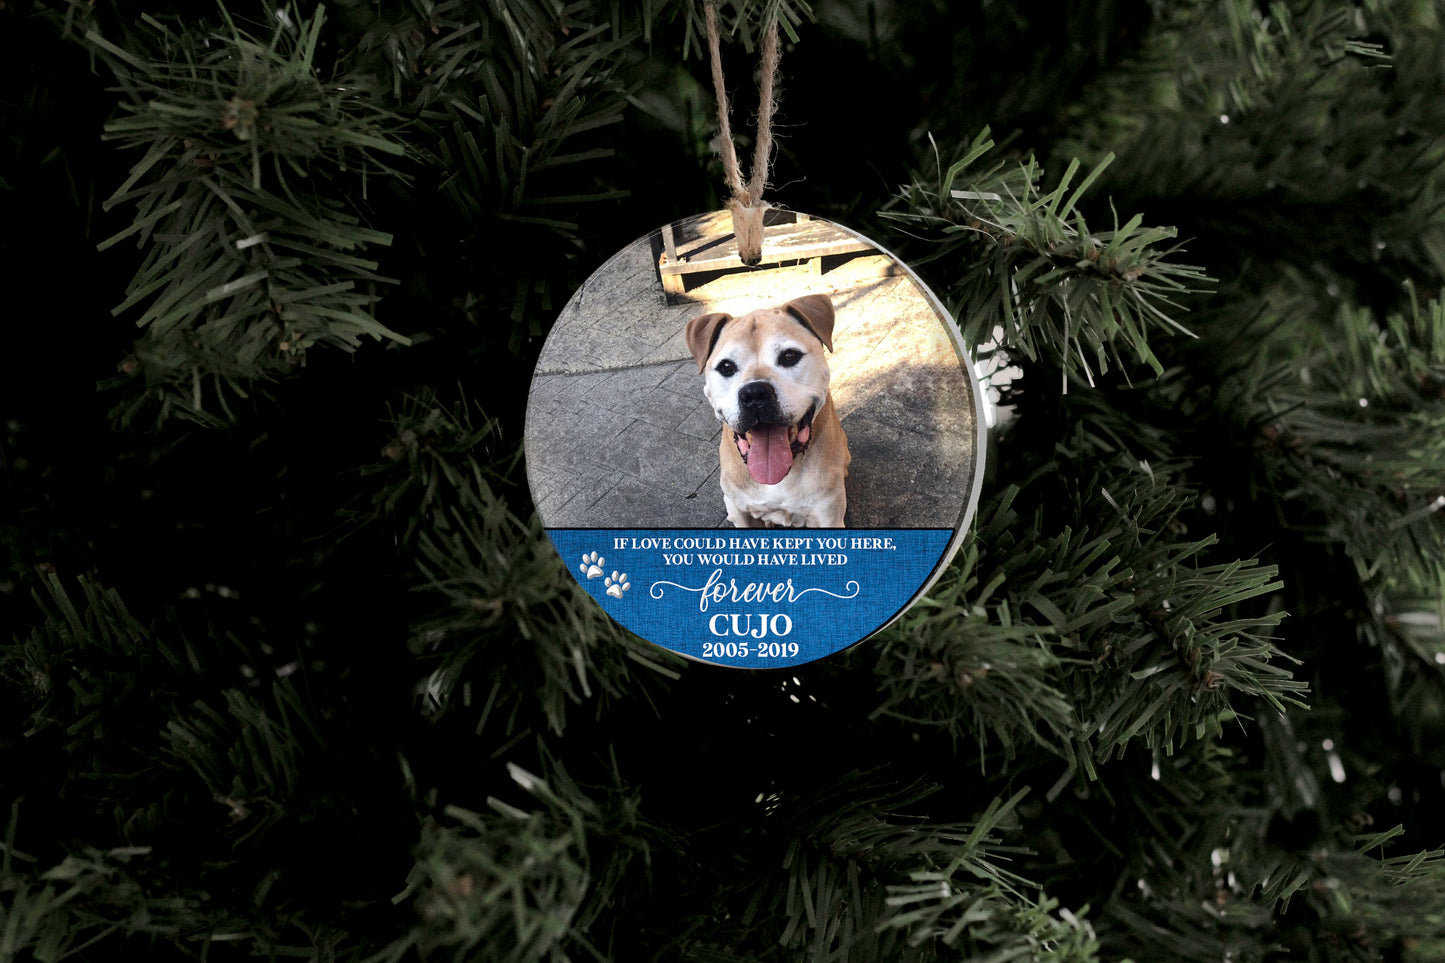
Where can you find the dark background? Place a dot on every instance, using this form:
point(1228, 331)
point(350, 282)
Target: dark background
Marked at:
point(286, 537)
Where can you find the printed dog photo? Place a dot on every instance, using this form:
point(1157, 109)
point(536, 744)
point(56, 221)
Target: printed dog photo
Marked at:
point(823, 388)
point(783, 455)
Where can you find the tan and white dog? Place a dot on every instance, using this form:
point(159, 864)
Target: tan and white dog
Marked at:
point(783, 454)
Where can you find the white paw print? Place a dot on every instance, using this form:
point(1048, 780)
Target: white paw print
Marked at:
point(617, 584)
point(591, 566)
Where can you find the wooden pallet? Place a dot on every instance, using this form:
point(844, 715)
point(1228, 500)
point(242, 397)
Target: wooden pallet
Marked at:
point(705, 243)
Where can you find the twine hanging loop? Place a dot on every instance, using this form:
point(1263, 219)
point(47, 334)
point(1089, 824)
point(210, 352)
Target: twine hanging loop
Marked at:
point(746, 203)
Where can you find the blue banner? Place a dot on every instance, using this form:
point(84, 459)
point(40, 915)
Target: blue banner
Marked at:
point(753, 598)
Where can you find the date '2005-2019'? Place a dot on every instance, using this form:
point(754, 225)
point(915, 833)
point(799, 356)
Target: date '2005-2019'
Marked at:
point(742, 650)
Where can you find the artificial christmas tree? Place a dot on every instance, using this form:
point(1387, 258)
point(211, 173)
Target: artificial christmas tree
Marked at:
point(294, 672)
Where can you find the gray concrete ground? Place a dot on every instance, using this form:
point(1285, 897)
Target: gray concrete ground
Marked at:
point(619, 434)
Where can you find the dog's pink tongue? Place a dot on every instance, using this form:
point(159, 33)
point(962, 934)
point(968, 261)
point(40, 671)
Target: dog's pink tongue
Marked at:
point(771, 454)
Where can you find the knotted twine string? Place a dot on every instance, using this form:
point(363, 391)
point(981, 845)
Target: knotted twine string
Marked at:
point(746, 204)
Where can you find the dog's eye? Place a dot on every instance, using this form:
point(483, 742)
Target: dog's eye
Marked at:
point(726, 368)
point(790, 357)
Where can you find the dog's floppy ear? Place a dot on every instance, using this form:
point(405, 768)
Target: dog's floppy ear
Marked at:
point(702, 335)
point(815, 311)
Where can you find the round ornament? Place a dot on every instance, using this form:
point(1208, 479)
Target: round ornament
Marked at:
point(755, 465)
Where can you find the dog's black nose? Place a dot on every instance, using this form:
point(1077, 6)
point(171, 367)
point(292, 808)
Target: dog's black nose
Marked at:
point(757, 394)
